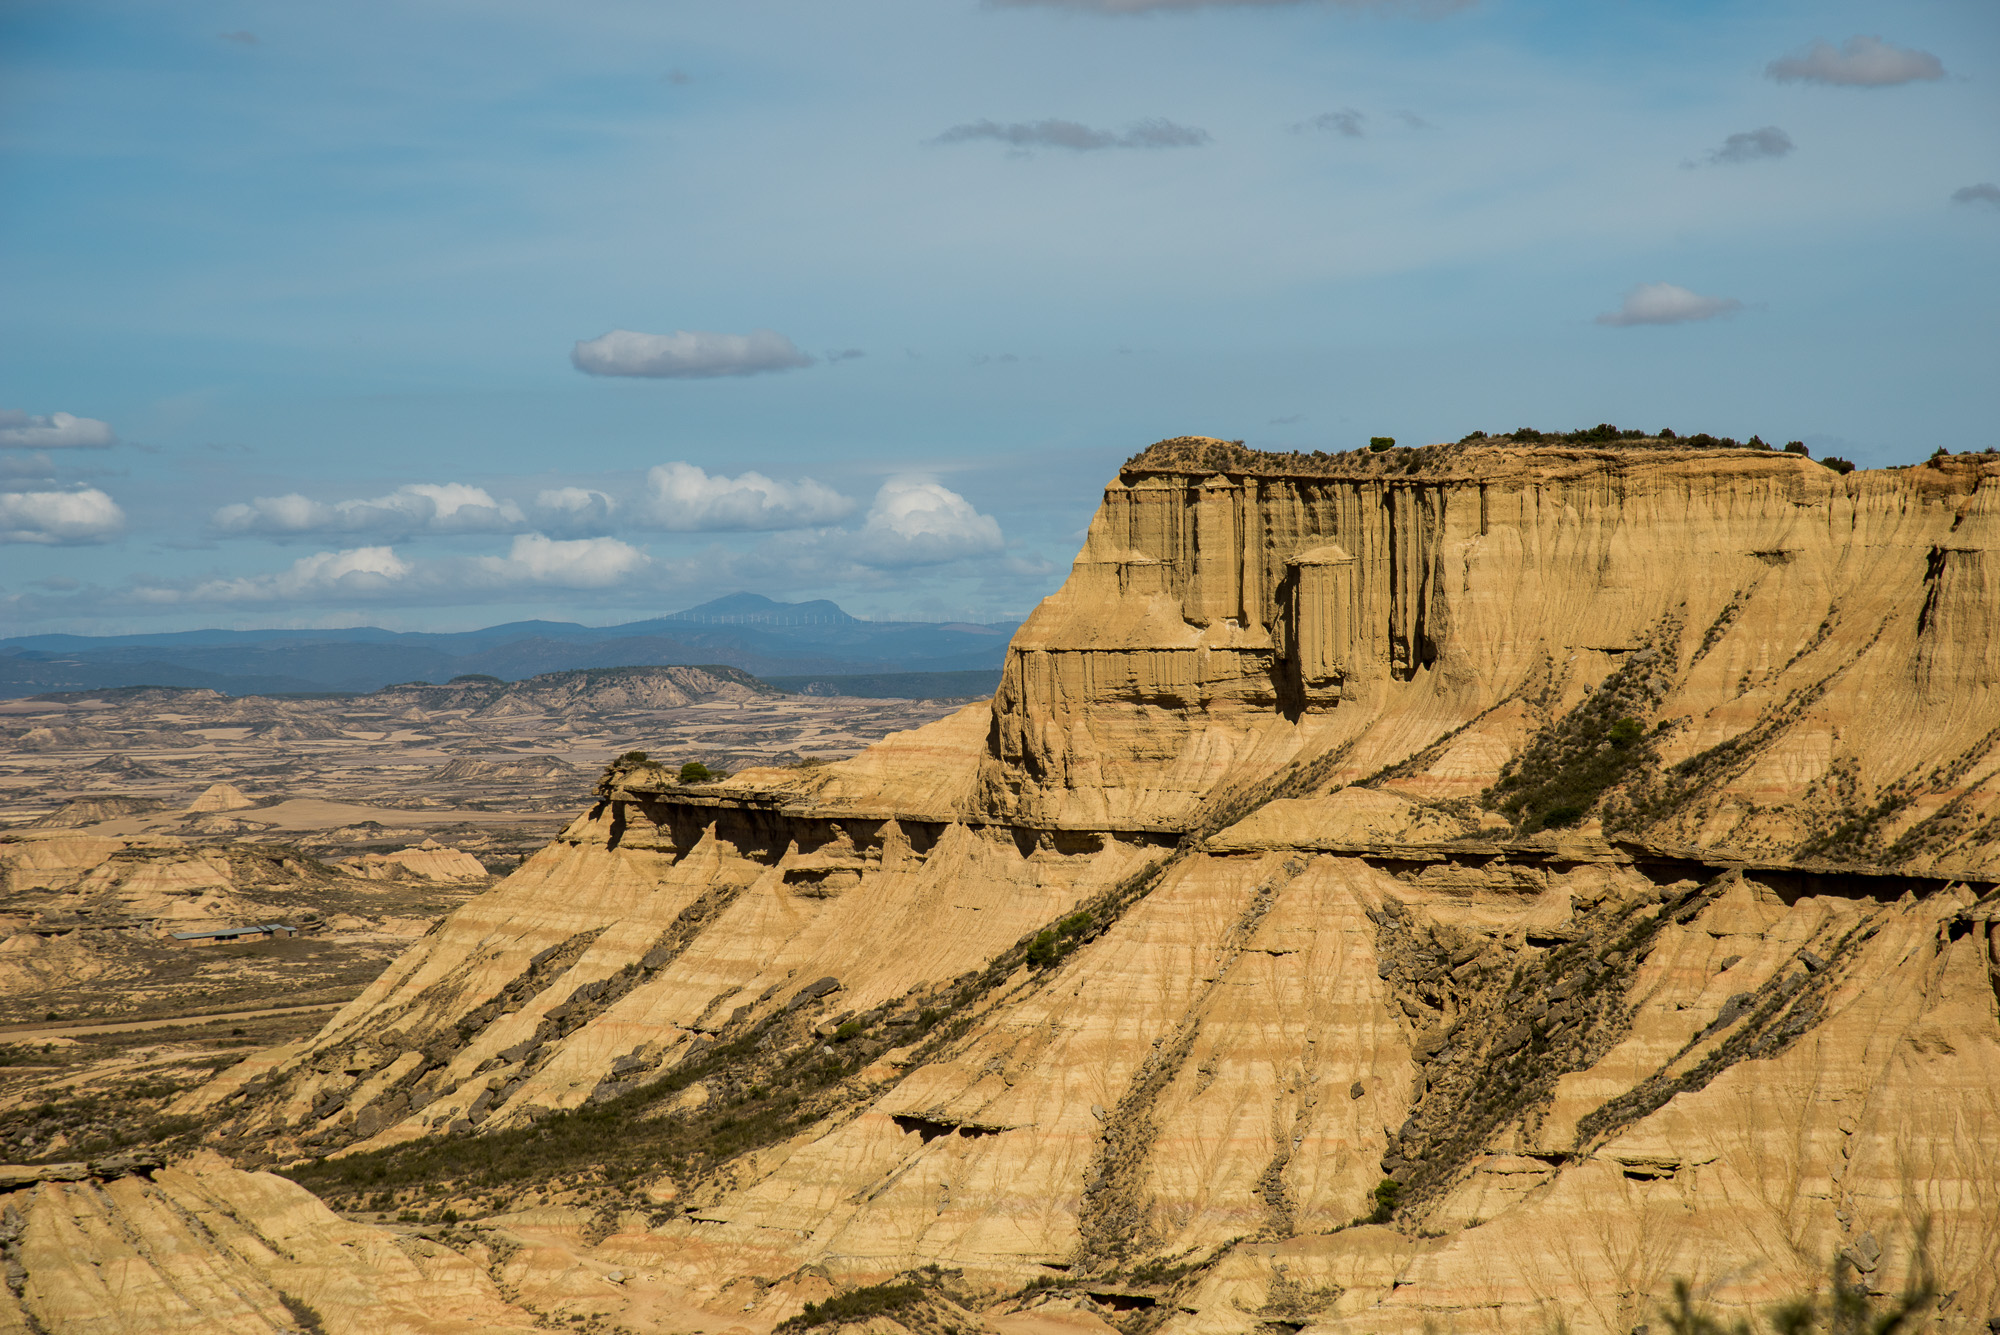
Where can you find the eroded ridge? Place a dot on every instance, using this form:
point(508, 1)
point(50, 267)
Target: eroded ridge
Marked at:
point(1468, 891)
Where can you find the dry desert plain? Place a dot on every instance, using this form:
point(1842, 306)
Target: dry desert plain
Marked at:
point(127, 816)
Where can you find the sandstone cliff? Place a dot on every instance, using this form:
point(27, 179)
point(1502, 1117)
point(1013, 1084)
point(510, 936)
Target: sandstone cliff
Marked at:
point(1155, 981)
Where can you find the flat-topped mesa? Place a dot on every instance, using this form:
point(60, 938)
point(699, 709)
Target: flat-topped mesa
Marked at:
point(1233, 611)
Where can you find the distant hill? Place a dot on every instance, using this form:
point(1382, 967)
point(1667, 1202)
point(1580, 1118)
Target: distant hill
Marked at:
point(742, 630)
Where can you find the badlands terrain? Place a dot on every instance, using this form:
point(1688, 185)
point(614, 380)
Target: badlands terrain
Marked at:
point(1472, 888)
point(133, 815)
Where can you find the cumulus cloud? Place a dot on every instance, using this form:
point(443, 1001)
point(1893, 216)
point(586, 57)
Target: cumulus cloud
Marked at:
point(59, 517)
point(919, 521)
point(1752, 145)
point(574, 510)
point(57, 431)
point(1861, 62)
point(1346, 121)
point(377, 573)
point(1984, 193)
point(1666, 303)
point(448, 507)
point(357, 572)
point(582, 563)
point(687, 354)
point(1154, 133)
point(683, 498)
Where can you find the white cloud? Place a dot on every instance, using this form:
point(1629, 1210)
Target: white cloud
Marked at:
point(919, 521)
point(374, 573)
point(1750, 145)
point(1153, 133)
point(448, 507)
point(683, 499)
point(1984, 193)
point(57, 431)
point(59, 517)
point(574, 511)
point(1665, 303)
point(1862, 62)
point(687, 354)
point(357, 572)
point(582, 563)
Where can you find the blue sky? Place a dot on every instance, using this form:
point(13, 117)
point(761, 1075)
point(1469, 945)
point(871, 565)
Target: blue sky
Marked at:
point(337, 279)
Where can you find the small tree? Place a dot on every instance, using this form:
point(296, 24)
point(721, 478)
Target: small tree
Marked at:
point(1837, 464)
point(1377, 444)
point(632, 758)
point(696, 772)
point(1797, 447)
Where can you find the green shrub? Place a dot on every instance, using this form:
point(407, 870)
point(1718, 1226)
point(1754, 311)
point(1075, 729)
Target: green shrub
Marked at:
point(1388, 1193)
point(1051, 945)
point(1378, 444)
point(633, 758)
point(851, 1029)
point(858, 1305)
point(1562, 773)
point(696, 772)
point(1797, 447)
point(1837, 464)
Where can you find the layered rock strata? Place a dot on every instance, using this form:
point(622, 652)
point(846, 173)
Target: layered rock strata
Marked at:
point(1163, 966)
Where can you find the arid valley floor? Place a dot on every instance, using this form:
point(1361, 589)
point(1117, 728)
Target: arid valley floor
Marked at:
point(131, 815)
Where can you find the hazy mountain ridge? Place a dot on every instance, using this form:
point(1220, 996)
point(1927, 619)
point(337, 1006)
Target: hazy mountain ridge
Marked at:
point(741, 630)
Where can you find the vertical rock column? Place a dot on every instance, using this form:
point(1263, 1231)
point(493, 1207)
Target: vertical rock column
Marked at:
point(1215, 593)
point(1321, 619)
point(1415, 520)
point(1250, 567)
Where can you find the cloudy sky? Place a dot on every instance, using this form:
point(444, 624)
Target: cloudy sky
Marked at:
point(432, 314)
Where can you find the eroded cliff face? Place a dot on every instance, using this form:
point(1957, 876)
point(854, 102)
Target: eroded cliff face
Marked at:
point(1819, 642)
point(1141, 983)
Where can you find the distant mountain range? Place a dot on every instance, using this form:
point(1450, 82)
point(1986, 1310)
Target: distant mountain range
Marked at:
point(742, 630)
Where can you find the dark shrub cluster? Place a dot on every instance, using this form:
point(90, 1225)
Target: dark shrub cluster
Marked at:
point(1568, 765)
point(1388, 1194)
point(899, 1297)
point(1051, 945)
point(1557, 784)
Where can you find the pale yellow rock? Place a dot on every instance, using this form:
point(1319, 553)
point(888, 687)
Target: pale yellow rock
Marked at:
point(427, 861)
point(203, 1247)
point(1268, 697)
point(222, 797)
